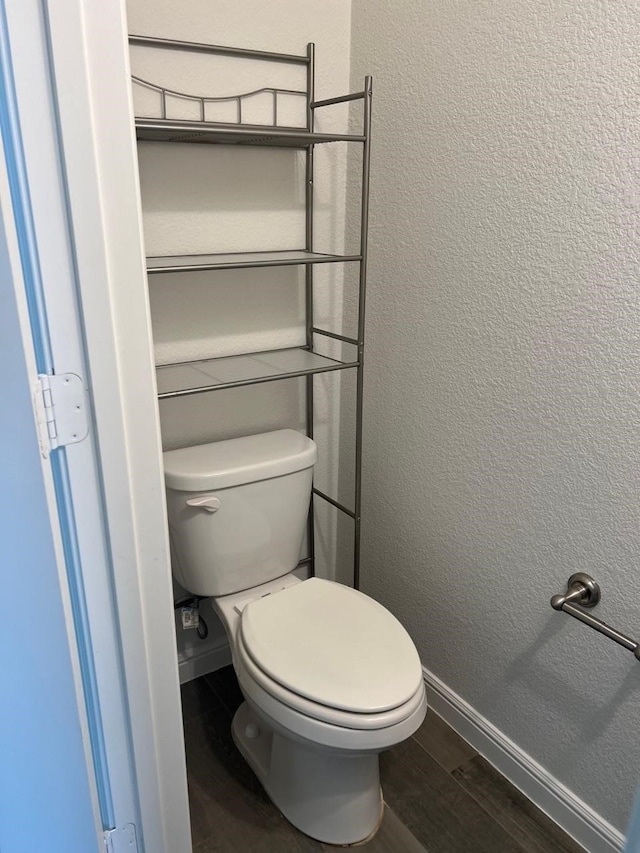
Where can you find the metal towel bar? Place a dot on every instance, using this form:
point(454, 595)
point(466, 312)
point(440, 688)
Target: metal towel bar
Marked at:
point(582, 589)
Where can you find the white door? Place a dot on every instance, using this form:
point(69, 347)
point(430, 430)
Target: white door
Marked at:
point(48, 800)
point(69, 195)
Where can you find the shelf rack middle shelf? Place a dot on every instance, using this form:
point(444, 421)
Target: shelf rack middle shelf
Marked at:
point(215, 374)
point(240, 260)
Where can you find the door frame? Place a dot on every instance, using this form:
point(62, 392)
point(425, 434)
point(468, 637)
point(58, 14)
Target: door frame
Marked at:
point(70, 69)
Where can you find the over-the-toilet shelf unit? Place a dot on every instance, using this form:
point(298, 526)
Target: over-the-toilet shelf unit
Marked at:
point(196, 377)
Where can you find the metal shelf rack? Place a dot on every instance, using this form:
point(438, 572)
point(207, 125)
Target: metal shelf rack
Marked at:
point(195, 377)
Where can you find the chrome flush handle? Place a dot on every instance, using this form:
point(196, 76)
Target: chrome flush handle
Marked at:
point(207, 502)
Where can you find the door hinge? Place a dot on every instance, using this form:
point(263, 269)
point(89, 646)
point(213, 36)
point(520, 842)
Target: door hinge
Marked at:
point(61, 410)
point(122, 840)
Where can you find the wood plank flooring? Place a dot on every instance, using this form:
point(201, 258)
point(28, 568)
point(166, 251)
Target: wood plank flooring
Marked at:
point(440, 795)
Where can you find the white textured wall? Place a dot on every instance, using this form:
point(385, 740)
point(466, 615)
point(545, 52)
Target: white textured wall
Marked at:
point(502, 439)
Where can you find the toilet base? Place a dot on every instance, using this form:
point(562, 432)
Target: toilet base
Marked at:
point(332, 796)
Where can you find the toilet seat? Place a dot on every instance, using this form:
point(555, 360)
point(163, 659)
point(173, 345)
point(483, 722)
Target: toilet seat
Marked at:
point(332, 653)
point(314, 710)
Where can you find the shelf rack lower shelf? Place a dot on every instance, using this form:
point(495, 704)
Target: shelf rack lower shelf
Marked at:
point(215, 374)
point(241, 260)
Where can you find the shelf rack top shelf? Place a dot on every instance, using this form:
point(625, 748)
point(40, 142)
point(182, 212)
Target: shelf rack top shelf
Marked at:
point(195, 377)
point(199, 126)
point(241, 260)
point(212, 133)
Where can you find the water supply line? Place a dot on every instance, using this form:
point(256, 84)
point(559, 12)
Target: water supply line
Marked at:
point(192, 602)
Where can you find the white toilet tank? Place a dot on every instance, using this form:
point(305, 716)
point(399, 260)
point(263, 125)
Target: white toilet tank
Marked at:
point(237, 509)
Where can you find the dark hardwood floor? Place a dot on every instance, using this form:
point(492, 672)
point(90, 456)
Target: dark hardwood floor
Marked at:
point(440, 795)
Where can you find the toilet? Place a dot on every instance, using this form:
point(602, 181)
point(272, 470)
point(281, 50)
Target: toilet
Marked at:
point(330, 678)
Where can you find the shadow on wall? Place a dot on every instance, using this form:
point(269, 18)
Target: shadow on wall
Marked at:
point(199, 199)
point(185, 178)
point(590, 719)
point(209, 314)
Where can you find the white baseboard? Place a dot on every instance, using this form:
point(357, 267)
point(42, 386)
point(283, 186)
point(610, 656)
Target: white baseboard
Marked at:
point(568, 811)
point(213, 657)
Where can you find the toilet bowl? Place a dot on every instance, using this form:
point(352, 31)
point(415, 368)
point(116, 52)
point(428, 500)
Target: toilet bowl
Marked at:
point(318, 760)
point(330, 678)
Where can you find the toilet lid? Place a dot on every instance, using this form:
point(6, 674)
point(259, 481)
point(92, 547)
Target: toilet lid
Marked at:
point(333, 645)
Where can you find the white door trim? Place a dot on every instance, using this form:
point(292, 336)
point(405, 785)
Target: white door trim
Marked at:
point(89, 50)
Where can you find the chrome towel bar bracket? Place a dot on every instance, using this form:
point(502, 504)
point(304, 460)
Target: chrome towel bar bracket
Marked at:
point(582, 589)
